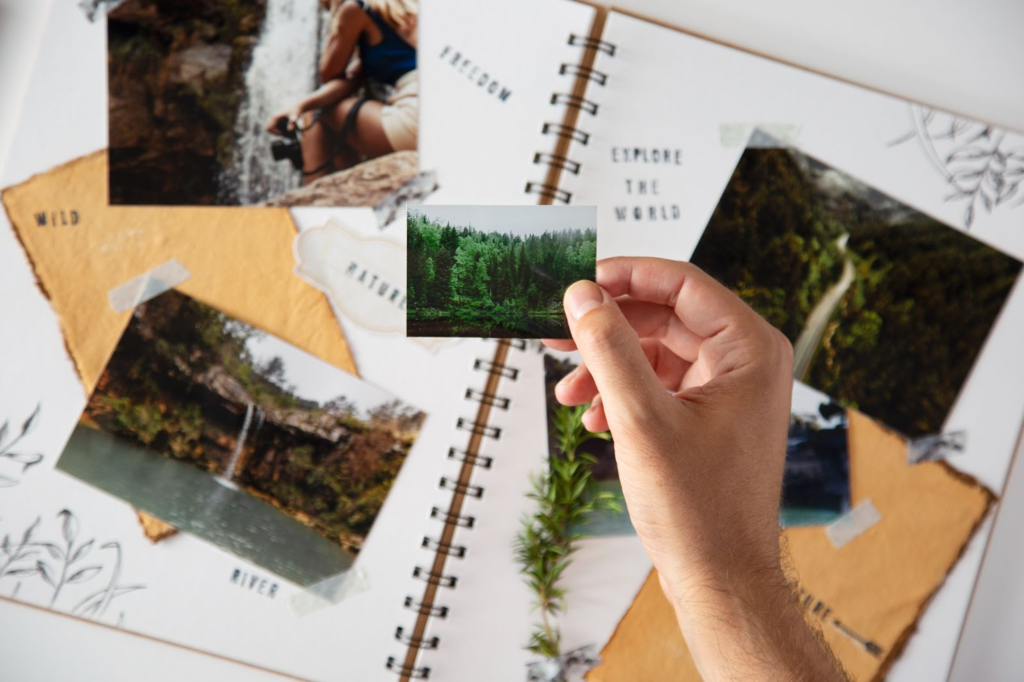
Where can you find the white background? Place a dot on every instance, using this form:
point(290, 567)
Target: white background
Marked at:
point(964, 57)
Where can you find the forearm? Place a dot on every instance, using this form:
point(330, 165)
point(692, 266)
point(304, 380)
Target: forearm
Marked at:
point(329, 93)
point(748, 626)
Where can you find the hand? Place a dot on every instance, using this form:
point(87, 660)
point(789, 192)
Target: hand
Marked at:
point(286, 120)
point(695, 388)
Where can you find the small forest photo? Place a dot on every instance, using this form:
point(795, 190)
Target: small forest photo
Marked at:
point(496, 271)
point(887, 309)
point(235, 436)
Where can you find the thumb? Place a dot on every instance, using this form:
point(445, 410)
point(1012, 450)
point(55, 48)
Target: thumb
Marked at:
point(626, 382)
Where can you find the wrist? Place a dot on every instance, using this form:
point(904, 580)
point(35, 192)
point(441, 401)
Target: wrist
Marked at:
point(746, 624)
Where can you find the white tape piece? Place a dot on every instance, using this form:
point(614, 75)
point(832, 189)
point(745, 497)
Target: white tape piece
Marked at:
point(414, 190)
point(847, 527)
point(148, 285)
point(330, 591)
point(570, 666)
point(92, 8)
point(759, 135)
point(936, 447)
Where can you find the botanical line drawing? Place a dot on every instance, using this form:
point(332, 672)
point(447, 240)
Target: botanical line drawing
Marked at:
point(977, 160)
point(8, 455)
point(62, 566)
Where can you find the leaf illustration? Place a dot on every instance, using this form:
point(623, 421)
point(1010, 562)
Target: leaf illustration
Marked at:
point(29, 462)
point(7, 481)
point(969, 215)
point(969, 174)
point(85, 574)
point(56, 552)
point(3, 431)
point(1007, 193)
point(81, 551)
point(5, 546)
point(69, 529)
point(41, 567)
point(970, 153)
point(986, 200)
point(23, 571)
point(27, 535)
point(30, 421)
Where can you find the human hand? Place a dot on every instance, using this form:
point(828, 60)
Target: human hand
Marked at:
point(695, 388)
point(284, 121)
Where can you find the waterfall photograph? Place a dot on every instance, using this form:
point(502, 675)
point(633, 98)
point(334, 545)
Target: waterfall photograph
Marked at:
point(261, 102)
point(886, 308)
point(232, 435)
point(816, 478)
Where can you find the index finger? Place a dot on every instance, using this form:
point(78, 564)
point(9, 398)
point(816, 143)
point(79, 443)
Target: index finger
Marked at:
point(701, 303)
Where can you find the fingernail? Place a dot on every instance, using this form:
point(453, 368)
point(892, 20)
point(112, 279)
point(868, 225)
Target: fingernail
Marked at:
point(582, 297)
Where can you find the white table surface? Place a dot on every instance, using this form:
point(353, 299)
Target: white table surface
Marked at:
point(965, 57)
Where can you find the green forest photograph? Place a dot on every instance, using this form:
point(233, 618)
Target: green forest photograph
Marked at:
point(887, 309)
point(496, 271)
point(235, 436)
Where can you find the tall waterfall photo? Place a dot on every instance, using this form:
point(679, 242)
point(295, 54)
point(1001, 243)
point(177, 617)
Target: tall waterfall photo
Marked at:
point(247, 102)
point(240, 439)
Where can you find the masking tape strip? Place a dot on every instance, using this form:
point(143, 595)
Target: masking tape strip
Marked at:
point(936, 446)
point(417, 188)
point(759, 135)
point(851, 524)
point(330, 591)
point(148, 285)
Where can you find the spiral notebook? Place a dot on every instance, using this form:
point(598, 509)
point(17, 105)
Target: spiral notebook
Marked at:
point(672, 136)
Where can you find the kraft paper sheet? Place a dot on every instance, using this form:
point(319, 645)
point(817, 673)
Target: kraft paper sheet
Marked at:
point(240, 260)
point(877, 585)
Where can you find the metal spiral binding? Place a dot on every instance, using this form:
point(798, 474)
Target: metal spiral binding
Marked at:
point(558, 161)
point(442, 547)
point(412, 672)
point(592, 43)
point(464, 488)
point(434, 611)
point(590, 74)
point(448, 517)
point(457, 551)
point(548, 191)
point(418, 642)
point(468, 457)
point(479, 429)
point(565, 131)
point(574, 102)
point(491, 368)
point(487, 398)
point(434, 578)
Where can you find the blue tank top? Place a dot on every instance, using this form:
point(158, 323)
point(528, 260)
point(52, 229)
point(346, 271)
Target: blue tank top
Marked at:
point(391, 58)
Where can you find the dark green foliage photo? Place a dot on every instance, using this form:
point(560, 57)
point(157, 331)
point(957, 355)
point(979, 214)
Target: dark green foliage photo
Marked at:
point(887, 309)
point(467, 281)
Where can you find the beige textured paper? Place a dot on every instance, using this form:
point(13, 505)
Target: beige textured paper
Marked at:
point(240, 260)
point(877, 585)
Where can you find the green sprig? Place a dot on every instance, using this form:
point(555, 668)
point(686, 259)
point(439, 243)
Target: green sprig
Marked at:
point(565, 498)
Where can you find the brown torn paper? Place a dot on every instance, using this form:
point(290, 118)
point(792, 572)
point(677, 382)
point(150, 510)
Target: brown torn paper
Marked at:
point(876, 586)
point(240, 260)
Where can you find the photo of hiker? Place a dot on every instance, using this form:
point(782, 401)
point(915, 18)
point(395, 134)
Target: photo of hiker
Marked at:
point(238, 438)
point(496, 271)
point(816, 478)
point(261, 102)
point(886, 308)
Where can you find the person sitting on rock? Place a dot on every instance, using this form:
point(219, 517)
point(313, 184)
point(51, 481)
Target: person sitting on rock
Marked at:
point(348, 119)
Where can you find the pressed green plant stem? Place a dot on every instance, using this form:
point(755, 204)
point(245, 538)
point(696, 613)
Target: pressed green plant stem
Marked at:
point(565, 499)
